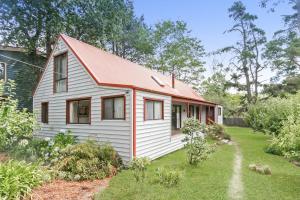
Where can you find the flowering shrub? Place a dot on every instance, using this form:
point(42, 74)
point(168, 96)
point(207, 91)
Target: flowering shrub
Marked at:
point(15, 125)
point(45, 150)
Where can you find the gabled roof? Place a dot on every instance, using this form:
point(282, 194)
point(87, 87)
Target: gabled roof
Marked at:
point(110, 70)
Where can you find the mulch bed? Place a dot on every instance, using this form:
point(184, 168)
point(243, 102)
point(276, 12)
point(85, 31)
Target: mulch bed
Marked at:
point(69, 190)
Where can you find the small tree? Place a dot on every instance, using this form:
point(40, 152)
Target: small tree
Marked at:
point(15, 124)
point(197, 147)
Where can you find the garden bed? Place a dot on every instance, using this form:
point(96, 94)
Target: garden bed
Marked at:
point(69, 190)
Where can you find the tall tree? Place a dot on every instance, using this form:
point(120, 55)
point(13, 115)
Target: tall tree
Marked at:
point(109, 24)
point(283, 52)
point(245, 64)
point(176, 51)
point(31, 24)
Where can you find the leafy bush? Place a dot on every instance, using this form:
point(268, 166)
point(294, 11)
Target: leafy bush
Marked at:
point(86, 161)
point(18, 178)
point(269, 116)
point(197, 147)
point(44, 150)
point(139, 167)
point(217, 131)
point(168, 177)
point(287, 143)
point(15, 124)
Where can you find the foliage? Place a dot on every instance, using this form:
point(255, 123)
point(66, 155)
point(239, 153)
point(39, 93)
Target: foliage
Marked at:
point(290, 85)
point(245, 65)
point(45, 150)
point(216, 131)
point(86, 161)
point(287, 143)
point(168, 177)
point(15, 124)
point(112, 25)
point(18, 178)
point(197, 147)
point(139, 167)
point(269, 116)
point(176, 51)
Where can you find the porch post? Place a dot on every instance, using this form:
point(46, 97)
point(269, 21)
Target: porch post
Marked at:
point(188, 110)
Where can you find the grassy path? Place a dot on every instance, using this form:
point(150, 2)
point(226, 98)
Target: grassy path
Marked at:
point(236, 185)
point(283, 184)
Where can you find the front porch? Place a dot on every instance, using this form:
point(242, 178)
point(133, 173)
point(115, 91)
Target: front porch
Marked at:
point(183, 109)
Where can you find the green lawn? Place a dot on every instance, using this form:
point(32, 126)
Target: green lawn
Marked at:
point(283, 184)
point(210, 179)
point(207, 181)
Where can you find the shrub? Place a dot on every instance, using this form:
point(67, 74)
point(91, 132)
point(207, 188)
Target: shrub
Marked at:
point(217, 131)
point(86, 161)
point(44, 150)
point(269, 116)
point(18, 178)
point(168, 177)
point(197, 147)
point(139, 167)
point(287, 143)
point(15, 124)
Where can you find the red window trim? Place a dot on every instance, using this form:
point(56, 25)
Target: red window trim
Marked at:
point(67, 79)
point(68, 109)
point(47, 117)
point(112, 97)
point(145, 110)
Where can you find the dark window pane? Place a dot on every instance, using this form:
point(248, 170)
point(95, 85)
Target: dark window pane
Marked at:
point(108, 108)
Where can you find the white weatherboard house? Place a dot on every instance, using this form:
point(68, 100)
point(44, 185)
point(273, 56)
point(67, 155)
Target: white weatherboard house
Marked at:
point(103, 97)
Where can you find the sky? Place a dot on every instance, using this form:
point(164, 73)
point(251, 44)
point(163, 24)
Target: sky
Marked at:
point(208, 19)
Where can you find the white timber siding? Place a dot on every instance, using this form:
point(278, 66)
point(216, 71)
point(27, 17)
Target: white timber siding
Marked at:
point(80, 84)
point(153, 137)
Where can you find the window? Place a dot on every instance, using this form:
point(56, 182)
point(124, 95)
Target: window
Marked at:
point(219, 111)
point(60, 73)
point(113, 107)
point(79, 111)
point(192, 112)
point(44, 113)
point(153, 109)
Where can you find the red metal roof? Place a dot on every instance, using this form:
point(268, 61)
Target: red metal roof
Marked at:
point(111, 70)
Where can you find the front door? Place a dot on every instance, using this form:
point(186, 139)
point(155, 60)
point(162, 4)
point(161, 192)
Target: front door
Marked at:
point(176, 116)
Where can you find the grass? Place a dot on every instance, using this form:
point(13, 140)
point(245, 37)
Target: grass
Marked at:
point(209, 180)
point(284, 183)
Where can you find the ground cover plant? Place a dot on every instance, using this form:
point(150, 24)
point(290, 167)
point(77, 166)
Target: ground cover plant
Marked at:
point(18, 178)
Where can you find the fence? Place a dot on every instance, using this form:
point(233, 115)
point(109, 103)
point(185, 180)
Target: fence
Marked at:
point(235, 122)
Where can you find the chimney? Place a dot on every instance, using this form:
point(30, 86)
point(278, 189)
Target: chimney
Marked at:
point(173, 80)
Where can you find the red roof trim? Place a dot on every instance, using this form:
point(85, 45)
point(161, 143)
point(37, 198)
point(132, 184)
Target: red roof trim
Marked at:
point(119, 85)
